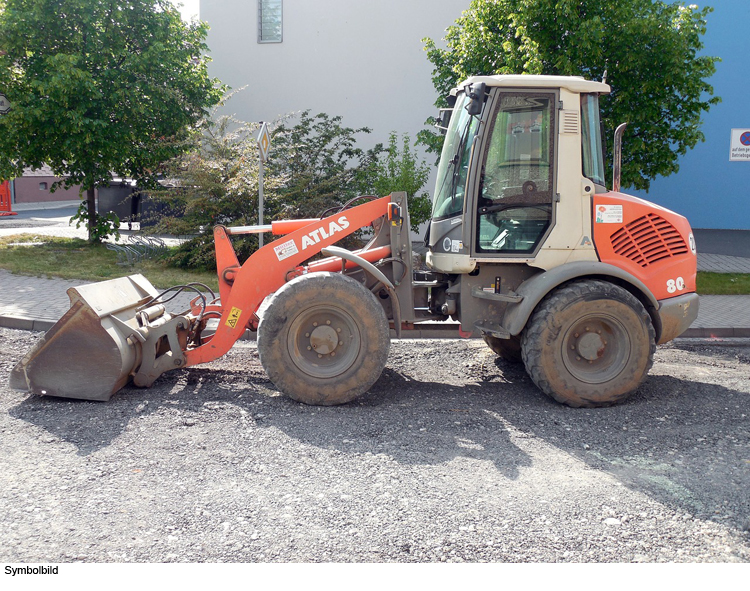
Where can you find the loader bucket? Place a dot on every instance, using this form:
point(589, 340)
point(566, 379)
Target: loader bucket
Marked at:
point(89, 353)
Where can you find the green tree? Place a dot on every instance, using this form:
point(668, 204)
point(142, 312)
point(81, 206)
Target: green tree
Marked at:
point(650, 49)
point(313, 165)
point(320, 163)
point(214, 182)
point(399, 169)
point(99, 87)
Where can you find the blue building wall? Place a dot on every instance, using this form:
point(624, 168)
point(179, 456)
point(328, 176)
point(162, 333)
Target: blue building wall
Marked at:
point(709, 190)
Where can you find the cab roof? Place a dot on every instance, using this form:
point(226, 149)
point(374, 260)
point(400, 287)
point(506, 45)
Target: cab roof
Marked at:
point(571, 83)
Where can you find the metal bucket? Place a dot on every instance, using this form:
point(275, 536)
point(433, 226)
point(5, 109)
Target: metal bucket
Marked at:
point(91, 351)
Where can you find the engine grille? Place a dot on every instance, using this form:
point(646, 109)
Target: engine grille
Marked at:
point(647, 240)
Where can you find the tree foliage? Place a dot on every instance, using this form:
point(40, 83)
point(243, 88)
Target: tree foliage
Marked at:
point(314, 165)
point(320, 163)
point(214, 182)
point(650, 49)
point(399, 169)
point(99, 87)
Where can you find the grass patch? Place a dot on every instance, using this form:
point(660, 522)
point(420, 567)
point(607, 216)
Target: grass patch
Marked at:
point(723, 283)
point(73, 258)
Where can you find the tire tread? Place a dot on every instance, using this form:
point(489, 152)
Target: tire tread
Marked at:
point(277, 315)
point(541, 321)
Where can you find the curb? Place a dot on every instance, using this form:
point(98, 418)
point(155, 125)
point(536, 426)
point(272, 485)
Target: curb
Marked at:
point(26, 323)
point(44, 205)
point(742, 332)
point(711, 336)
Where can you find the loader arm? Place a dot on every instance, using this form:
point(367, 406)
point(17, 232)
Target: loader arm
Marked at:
point(243, 289)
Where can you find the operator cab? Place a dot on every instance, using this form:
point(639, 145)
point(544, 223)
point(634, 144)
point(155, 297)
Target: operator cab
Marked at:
point(498, 178)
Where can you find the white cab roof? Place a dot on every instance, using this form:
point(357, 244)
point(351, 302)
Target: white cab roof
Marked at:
point(571, 83)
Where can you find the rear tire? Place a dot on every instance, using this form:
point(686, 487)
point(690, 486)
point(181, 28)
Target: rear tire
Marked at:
point(507, 349)
point(589, 343)
point(323, 339)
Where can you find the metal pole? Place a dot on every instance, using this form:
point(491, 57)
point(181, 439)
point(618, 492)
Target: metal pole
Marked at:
point(260, 201)
point(264, 142)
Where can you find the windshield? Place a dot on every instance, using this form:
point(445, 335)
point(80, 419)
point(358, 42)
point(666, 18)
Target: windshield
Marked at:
point(454, 162)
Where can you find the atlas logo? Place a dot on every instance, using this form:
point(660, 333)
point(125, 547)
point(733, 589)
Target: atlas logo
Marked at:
point(319, 234)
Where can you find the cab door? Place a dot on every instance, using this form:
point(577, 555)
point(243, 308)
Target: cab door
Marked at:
point(515, 193)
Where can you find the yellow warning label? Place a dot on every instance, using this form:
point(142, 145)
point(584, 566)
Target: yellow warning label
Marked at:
point(234, 317)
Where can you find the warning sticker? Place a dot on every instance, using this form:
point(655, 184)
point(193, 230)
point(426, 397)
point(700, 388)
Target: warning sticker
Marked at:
point(285, 250)
point(452, 245)
point(234, 317)
point(609, 214)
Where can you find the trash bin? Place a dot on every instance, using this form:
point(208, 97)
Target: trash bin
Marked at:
point(122, 198)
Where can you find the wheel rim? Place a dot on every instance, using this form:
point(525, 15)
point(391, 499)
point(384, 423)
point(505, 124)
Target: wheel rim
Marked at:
point(324, 341)
point(596, 348)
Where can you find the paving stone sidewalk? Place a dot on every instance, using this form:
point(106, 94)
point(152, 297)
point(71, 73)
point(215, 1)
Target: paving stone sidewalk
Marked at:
point(36, 303)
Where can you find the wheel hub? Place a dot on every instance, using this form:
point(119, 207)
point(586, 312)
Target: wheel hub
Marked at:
point(591, 346)
point(597, 348)
point(324, 340)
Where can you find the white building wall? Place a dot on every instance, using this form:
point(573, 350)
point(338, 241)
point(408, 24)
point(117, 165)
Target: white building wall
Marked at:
point(361, 59)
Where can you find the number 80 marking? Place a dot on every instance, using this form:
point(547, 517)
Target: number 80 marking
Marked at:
point(674, 285)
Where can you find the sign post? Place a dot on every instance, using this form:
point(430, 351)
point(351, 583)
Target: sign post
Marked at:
point(264, 143)
point(4, 104)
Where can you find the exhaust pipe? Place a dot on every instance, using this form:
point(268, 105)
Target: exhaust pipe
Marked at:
point(617, 157)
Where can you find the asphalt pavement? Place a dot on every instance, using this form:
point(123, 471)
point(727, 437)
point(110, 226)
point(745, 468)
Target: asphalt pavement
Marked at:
point(35, 303)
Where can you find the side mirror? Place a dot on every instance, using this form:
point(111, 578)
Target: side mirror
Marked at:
point(443, 119)
point(476, 94)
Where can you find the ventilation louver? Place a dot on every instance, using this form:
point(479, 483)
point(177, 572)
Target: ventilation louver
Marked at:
point(647, 240)
point(570, 121)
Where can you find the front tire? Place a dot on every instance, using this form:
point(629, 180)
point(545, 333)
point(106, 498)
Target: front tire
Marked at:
point(507, 349)
point(589, 343)
point(323, 339)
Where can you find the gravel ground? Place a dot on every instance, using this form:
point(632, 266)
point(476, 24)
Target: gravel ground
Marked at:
point(452, 456)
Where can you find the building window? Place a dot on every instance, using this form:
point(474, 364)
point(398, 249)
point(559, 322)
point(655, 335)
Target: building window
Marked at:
point(42, 186)
point(269, 21)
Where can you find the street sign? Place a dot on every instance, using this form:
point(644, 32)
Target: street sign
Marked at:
point(264, 142)
point(739, 150)
point(4, 104)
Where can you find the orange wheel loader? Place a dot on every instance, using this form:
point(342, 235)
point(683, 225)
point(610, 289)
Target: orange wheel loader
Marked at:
point(526, 248)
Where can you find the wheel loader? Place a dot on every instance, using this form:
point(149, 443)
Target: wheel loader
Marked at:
point(526, 248)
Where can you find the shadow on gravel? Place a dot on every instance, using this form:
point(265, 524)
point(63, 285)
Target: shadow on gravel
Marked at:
point(89, 426)
point(413, 422)
point(685, 444)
